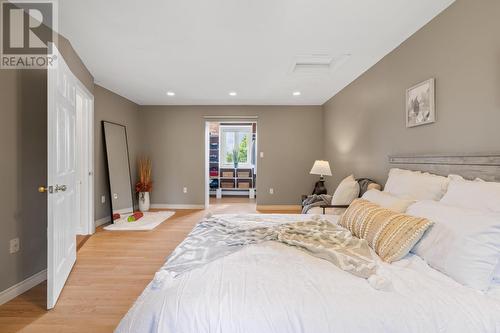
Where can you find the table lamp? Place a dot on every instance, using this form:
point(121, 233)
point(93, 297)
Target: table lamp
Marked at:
point(321, 168)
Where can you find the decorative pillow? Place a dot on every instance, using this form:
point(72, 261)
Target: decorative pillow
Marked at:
point(389, 234)
point(463, 243)
point(473, 194)
point(346, 192)
point(416, 185)
point(374, 186)
point(387, 200)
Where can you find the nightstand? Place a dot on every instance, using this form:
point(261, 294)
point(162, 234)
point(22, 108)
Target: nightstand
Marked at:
point(324, 207)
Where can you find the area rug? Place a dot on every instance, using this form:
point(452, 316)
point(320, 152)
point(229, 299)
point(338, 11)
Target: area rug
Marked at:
point(149, 221)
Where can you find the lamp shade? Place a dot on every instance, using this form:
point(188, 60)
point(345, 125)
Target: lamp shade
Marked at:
point(321, 168)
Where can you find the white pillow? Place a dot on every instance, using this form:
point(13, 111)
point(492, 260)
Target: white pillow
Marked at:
point(462, 243)
point(416, 185)
point(387, 200)
point(496, 275)
point(473, 194)
point(346, 192)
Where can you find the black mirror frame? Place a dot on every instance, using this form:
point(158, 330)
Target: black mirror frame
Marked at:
point(103, 122)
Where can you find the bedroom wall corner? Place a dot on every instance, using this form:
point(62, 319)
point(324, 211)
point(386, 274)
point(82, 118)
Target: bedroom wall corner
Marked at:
point(112, 107)
point(365, 122)
point(290, 136)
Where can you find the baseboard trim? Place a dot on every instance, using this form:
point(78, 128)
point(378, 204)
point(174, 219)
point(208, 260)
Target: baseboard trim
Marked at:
point(279, 207)
point(102, 221)
point(23, 286)
point(177, 206)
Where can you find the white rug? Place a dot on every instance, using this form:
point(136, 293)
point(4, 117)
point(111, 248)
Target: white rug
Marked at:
point(149, 221)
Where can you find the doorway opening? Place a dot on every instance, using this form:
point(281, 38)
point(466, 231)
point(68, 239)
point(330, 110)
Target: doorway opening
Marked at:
point(230, 162)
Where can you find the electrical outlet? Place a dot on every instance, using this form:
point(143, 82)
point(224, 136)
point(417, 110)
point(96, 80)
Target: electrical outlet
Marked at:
point(103, 199)
point(271, 190)
point(14, 245)
point(185, 190)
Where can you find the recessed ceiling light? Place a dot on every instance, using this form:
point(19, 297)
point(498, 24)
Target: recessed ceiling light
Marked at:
point(232, 93)
point(170, 93)
point(297, 93)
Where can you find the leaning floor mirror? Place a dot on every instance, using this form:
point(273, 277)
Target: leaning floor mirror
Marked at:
point(118, 163)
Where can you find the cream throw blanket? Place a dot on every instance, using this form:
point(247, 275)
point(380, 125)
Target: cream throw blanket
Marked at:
point(218, 236)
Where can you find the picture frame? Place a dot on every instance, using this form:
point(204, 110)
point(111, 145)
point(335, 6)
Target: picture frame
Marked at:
point(421, 104)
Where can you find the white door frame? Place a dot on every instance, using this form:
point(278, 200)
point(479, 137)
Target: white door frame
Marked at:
point(87, 224)
point(207, 168)
point(223, 119)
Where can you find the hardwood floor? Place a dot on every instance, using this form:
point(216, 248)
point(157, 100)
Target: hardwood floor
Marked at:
point(111, 270)
point(80, 240)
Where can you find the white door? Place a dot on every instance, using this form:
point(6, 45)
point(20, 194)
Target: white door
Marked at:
point(62, 177)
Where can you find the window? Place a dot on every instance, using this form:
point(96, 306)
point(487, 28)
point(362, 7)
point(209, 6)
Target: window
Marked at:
point(236, 143)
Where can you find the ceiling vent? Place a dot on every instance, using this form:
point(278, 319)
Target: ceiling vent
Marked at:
point(317, 63)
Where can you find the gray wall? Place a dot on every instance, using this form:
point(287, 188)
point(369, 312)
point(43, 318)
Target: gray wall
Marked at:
point(290, 137)
point(114, 108)
point(23, 138)
point(75, 63)
point(365, 122)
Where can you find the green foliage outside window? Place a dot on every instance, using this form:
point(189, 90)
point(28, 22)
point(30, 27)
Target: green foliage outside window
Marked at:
point(242, 152)
point(243, 158)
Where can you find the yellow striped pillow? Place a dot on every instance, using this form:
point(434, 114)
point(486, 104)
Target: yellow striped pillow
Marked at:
point(391, 235)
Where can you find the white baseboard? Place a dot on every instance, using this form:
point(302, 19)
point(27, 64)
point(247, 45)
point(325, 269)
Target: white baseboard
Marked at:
point(22, 286)
point(279, 207)
point(102, 221)
point(176, 206)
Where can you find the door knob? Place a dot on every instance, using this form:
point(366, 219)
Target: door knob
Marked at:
point(43, 189)
point(61, 188)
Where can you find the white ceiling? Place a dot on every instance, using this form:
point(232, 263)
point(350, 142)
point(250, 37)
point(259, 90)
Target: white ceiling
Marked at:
point(202, 50)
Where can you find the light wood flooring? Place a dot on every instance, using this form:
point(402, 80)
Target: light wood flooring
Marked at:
point(111, 270)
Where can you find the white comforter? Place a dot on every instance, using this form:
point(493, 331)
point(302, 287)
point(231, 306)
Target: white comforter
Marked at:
point(271, 287)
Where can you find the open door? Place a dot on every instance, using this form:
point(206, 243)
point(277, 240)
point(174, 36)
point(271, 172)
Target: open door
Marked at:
point(62, 176)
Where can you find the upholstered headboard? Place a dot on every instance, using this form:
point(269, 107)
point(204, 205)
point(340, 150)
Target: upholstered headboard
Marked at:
point(485, 166)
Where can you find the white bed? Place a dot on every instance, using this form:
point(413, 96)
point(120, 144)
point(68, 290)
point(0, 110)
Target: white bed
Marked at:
point(271, 287)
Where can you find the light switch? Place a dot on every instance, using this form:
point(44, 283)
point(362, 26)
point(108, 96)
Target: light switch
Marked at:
point(261, 154)
point(103, 199)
